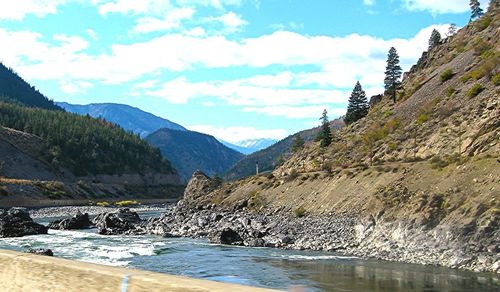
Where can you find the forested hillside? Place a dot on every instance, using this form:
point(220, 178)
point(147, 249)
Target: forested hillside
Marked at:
point(82, 144)
point(190, 151)
point(15, 88)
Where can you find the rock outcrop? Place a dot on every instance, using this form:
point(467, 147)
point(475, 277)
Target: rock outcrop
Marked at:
point(197, 189)
point(16, 222)
point(79, 221)
point(41, 251)
point(122, 221)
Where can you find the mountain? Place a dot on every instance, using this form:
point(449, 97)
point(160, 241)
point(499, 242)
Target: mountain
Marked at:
point(13, 87)
point(129, 118)
point(47, 153)
point(417, 178)
point(249, 146)
point(272, 156)
point(190, 151)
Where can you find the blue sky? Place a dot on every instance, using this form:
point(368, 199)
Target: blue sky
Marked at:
point(237, 69)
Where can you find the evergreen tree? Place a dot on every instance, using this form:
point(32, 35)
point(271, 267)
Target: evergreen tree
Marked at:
point(476, 10)
point(452, 30)
point(325, 134)
point(297, 143)
point(435, 39)
point(392, 73)
point(358, 105)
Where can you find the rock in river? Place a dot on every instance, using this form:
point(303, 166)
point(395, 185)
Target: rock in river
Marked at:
point(16, 222)
point(120, 222)
point(79, 221)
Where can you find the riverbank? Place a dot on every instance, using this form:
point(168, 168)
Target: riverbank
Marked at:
point(42, 203)
point(68, 211)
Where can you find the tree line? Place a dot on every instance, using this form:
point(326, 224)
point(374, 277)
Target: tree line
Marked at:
point(83, 144)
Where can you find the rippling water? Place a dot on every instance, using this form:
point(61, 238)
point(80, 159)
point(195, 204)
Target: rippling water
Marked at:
point(273, 268)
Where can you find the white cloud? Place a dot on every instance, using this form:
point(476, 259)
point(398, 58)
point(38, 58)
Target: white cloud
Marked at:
point(440, 6)
point(231, 21)
point(236, 134)
point(156, 7)
point(75, 87)
point(18, 9)
point(172, 20)
point(92, 34)
point(369, 2)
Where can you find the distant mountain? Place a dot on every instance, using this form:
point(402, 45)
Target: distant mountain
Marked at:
point(15, 89)
point(190, 151)
point(250, 146)
point(271, 157)
point(129, 118)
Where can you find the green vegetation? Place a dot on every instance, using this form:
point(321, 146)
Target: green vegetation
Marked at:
point(82, 144)
point(475, 90)
point(300, 212)
point(446, 75)
point(496, 79)
point(483, 23)
point(422, 118)
point(103, 204)
point(435, 39)
point(480, 46)
point(127, 203)
point(358, 105)
point(325, 134)
point(216, 182)
point(450, 91)
point(476, 10)
point(393, 73)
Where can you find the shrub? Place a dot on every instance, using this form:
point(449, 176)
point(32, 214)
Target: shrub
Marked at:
point(480, 46)
point(496, 79)
point(483, 22)
point(466, 77)
point(450, 91)
point(422, 118)
point(475, 90)
point(300, 212)
point(103, 204)
point(127, 203)
point(446, 75)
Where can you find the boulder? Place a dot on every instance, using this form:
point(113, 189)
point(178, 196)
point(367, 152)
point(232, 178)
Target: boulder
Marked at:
point(16, 222)
point(79, 221)
point(226, 236)
point(120, 222)
point(41, 251)
point(198, 187)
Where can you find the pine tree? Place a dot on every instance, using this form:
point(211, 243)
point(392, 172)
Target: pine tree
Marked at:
point(452, 30)
point(297, 143)
point(476, 10)
point(358, 105)
point(392, 73)
point(325, 134)
point(435, 39)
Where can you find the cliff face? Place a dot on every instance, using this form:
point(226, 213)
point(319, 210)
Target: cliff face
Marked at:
point(421, 175)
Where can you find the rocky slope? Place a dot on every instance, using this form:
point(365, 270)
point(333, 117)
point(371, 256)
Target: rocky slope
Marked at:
point(272, 156)
point(190, 151)
point(415, 181)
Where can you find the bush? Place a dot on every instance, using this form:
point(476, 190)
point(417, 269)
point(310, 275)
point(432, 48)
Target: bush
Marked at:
point(480, 46)
point(483, 22)
point(103, 204)
point(422, 118)
point(450, 91)
point(300, 212)
point(496, 79)
point(446, 75)
point(127, 203)
point(475, 90)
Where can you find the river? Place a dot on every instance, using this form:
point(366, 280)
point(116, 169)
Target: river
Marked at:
point(264, 267)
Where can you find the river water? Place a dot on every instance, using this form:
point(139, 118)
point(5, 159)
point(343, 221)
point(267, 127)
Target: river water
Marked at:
point(264, 267)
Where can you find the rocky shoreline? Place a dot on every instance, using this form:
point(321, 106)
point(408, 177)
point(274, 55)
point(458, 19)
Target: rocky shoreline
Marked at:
point(345, 234)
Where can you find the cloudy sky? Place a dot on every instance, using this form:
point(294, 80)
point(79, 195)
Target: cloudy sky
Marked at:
point(237, 69)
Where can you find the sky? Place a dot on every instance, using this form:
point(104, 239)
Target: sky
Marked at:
point(236, 69)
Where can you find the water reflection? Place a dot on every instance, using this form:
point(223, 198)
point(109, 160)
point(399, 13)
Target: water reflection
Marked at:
point(361, 275)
